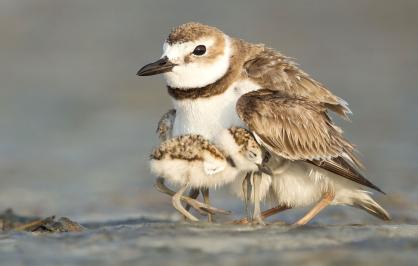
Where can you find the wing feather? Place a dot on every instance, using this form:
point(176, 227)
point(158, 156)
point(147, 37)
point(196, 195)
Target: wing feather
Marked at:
point(275, 71)
point(298, 129)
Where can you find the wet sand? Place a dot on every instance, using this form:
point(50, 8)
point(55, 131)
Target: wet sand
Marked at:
point(164, 242)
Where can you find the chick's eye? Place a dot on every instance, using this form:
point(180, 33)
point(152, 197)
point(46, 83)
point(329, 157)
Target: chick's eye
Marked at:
point(199, 50)
point(252, 155)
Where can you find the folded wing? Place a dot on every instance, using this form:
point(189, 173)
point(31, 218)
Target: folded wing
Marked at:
point(298, 129)
point(277, 72)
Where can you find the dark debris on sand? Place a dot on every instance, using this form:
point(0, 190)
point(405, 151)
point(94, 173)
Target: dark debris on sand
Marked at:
point(9, 221)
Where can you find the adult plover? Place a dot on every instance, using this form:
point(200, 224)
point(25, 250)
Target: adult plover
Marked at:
point(207, 73)
point(191, 161)
point(302, 176)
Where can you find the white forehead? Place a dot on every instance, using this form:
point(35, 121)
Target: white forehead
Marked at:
point(180, 50)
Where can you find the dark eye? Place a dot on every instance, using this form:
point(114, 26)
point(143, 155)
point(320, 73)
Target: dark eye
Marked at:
point(252, 155)
point(199, 50)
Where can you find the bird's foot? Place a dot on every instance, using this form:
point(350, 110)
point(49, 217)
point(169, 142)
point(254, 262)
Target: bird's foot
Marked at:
point(201, 207)
point(245, 221)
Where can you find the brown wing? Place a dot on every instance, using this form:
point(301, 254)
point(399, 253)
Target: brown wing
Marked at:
point(341, 167)
point(297, 129)
point(275, 71)
point(293, 128)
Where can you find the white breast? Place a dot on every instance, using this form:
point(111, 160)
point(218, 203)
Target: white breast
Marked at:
point(208, 116)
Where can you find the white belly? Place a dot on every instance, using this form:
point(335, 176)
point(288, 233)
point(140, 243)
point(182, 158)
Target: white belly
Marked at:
point(294, 185)
point(209, 116)
point(300, 184)
point(182, 172)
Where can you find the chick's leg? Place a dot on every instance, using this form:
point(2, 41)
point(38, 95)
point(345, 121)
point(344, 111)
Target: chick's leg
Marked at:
point(205, 193)
point(199, 206)
point(246, 190)
point(193, 194)
point(257, 218)
point(176, 199)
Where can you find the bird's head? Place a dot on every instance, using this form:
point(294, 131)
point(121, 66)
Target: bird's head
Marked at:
point(239, 144)
point(194, 56)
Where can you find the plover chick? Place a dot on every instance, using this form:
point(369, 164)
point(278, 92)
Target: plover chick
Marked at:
point(191, 161)
point(246, 153)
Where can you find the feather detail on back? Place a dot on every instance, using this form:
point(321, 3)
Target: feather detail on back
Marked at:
point(186, 147)
point(275, 71)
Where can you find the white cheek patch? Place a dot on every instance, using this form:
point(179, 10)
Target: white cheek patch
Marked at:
point(195, 75)
point(178, 51)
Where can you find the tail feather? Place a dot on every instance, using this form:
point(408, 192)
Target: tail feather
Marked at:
point(372, 207)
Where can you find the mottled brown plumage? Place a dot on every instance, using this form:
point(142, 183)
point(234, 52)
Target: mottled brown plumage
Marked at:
point(244, 139)
point(186, 147)
point(240, 135)
point(191, 31)
point(272, 70)
point(301, 129)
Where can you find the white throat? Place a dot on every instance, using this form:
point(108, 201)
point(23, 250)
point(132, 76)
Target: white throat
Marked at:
point(209, 116)
point(195, 75)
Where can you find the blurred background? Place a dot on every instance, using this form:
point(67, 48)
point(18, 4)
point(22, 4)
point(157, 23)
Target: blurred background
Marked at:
point(77, 124)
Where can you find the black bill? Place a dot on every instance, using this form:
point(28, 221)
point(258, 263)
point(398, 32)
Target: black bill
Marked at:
point(265, 169)
point(161, 66)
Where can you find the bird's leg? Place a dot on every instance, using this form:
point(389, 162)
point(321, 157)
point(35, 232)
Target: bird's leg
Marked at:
point(256, 196)
point(265, 214)
point(246, 189)
point(176, 199)
point(200, 207)
point(205, 193)
point(193, 194)
point(324, 202)
point(272, 211)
